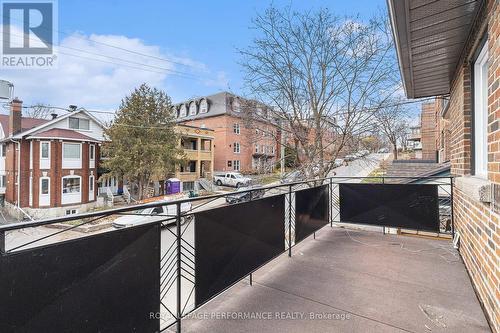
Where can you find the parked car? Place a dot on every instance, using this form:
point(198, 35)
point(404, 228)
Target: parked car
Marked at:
point(292, 177)
point(244, 194)
point(383, 150)
point(338, 162)
point(153, 214)
point(349, 157)
point(234, 179)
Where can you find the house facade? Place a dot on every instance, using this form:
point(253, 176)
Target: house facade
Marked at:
point(50, 166)
point(455, 55)
point(198, 148)
point(240, 144)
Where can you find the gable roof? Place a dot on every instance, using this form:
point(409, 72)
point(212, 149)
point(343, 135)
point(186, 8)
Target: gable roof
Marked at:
point(26, 123)
point(62, 133)
point(53, 121)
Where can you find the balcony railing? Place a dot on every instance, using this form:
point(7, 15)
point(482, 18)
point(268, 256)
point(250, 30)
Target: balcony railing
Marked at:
point(164, 260)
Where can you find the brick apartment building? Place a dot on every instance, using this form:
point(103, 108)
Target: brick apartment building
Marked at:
point(49, 167)
point(454, 53)
point(240, 144)
point(434, 131)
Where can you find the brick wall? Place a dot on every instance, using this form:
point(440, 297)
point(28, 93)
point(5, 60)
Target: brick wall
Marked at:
point(477, 221)
point(224, 139)
point(428, 131)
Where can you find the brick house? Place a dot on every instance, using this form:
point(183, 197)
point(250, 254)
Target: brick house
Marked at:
point(50, 167)
point(240, 144)
point(454, 53)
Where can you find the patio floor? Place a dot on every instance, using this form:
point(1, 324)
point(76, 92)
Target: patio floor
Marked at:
point(351, 281)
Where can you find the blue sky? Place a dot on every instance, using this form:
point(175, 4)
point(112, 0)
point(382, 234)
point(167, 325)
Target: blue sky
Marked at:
point(203, 34)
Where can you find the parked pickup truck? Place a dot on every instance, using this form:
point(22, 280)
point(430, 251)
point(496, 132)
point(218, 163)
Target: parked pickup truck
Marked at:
point(234, 179)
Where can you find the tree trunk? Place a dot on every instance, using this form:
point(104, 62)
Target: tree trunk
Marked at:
point(395, 151)
point(141, 189)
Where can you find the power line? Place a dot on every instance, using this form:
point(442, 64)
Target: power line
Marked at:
point(115, 46)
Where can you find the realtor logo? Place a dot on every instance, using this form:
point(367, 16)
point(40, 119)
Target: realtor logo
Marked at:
point(28, 34)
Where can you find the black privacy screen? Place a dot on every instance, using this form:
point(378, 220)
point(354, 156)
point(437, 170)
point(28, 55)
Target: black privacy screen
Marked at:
point(410, 206)
point(311, 211)
point(232, 241)
point(108, 282)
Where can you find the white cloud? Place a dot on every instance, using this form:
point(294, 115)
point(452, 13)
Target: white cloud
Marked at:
point(82, 80)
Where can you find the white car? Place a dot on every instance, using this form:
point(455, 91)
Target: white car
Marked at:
point(153, 214)
point(234, 179)
point(338, 162)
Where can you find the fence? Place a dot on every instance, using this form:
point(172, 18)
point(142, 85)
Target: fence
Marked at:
point(174, 257)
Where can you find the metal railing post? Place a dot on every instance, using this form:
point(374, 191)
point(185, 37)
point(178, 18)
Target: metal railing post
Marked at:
point(2, 242)
point(251, 282)
point(178, 234)
point(452, 209)
point(331, 205)
point(290, 221)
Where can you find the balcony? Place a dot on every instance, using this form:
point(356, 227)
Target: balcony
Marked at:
point(319, 255)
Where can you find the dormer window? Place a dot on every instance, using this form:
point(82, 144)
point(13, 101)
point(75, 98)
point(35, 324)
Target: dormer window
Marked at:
point(192, 109)
point(183, 110)
point(79, 123)
point(203, 106)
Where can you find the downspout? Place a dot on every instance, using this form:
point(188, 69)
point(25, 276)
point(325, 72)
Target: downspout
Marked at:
point(19, 178)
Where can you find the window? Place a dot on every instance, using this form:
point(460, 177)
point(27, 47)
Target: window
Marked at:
point(44, 186)
point(236, 165)
point(256, 131)
point(256, 148)
point(192, 109)
point(91, 184)
point(4, 149)
point(71, 185)
point(236, 128)
point(203, 106)
point(229, 163)
point(236, 147)
point(45, 150)
point(187, 186)
point(481, 113)
point(272, 149)
point(79, 123)
point(183, 110)
point(71, 211)
point(3, 180)
point(71, 150)
point(92, 152)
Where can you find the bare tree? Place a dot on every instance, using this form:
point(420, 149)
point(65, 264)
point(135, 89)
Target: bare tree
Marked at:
point(39, 110)
point(322, 78)
point(392, 121)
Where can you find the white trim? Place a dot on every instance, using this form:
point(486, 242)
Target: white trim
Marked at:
point(53, 121)
point(91, 191)
point(71, 163)
point(481, 113)
point(74, 197)
point(92, 159)
point(44, 161)
point(43, 199)
point(89, 139)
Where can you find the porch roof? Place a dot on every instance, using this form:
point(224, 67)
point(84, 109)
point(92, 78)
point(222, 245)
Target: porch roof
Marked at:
point(430, 36)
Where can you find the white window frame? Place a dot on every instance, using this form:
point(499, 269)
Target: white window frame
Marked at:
point(192, 110)
point(236, 128)
point(236, 165)
point(71, 163)
point(481, 113)
point(79, 127)
point(44, 161)
point(257, 148)
point(183, 110)
point(91, 188)
point(43, 199)
point(3, 147)
point(236, 148)
point(203, 106)
point(74, 197)
point(91, 158)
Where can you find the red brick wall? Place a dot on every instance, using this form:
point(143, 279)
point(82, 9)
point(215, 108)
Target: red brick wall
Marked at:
point(428, 131)
point(478, 222)
point(225, 139)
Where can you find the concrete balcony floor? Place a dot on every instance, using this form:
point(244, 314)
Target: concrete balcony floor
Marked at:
point(375, 282)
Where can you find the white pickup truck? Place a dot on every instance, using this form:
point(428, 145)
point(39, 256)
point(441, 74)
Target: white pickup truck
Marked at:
point(234, 179)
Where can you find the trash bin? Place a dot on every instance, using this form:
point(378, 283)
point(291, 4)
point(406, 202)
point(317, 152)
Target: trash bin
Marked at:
point(172, 186)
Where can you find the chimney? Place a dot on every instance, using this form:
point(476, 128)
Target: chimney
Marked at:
point(53, 115)
point(15, 116)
